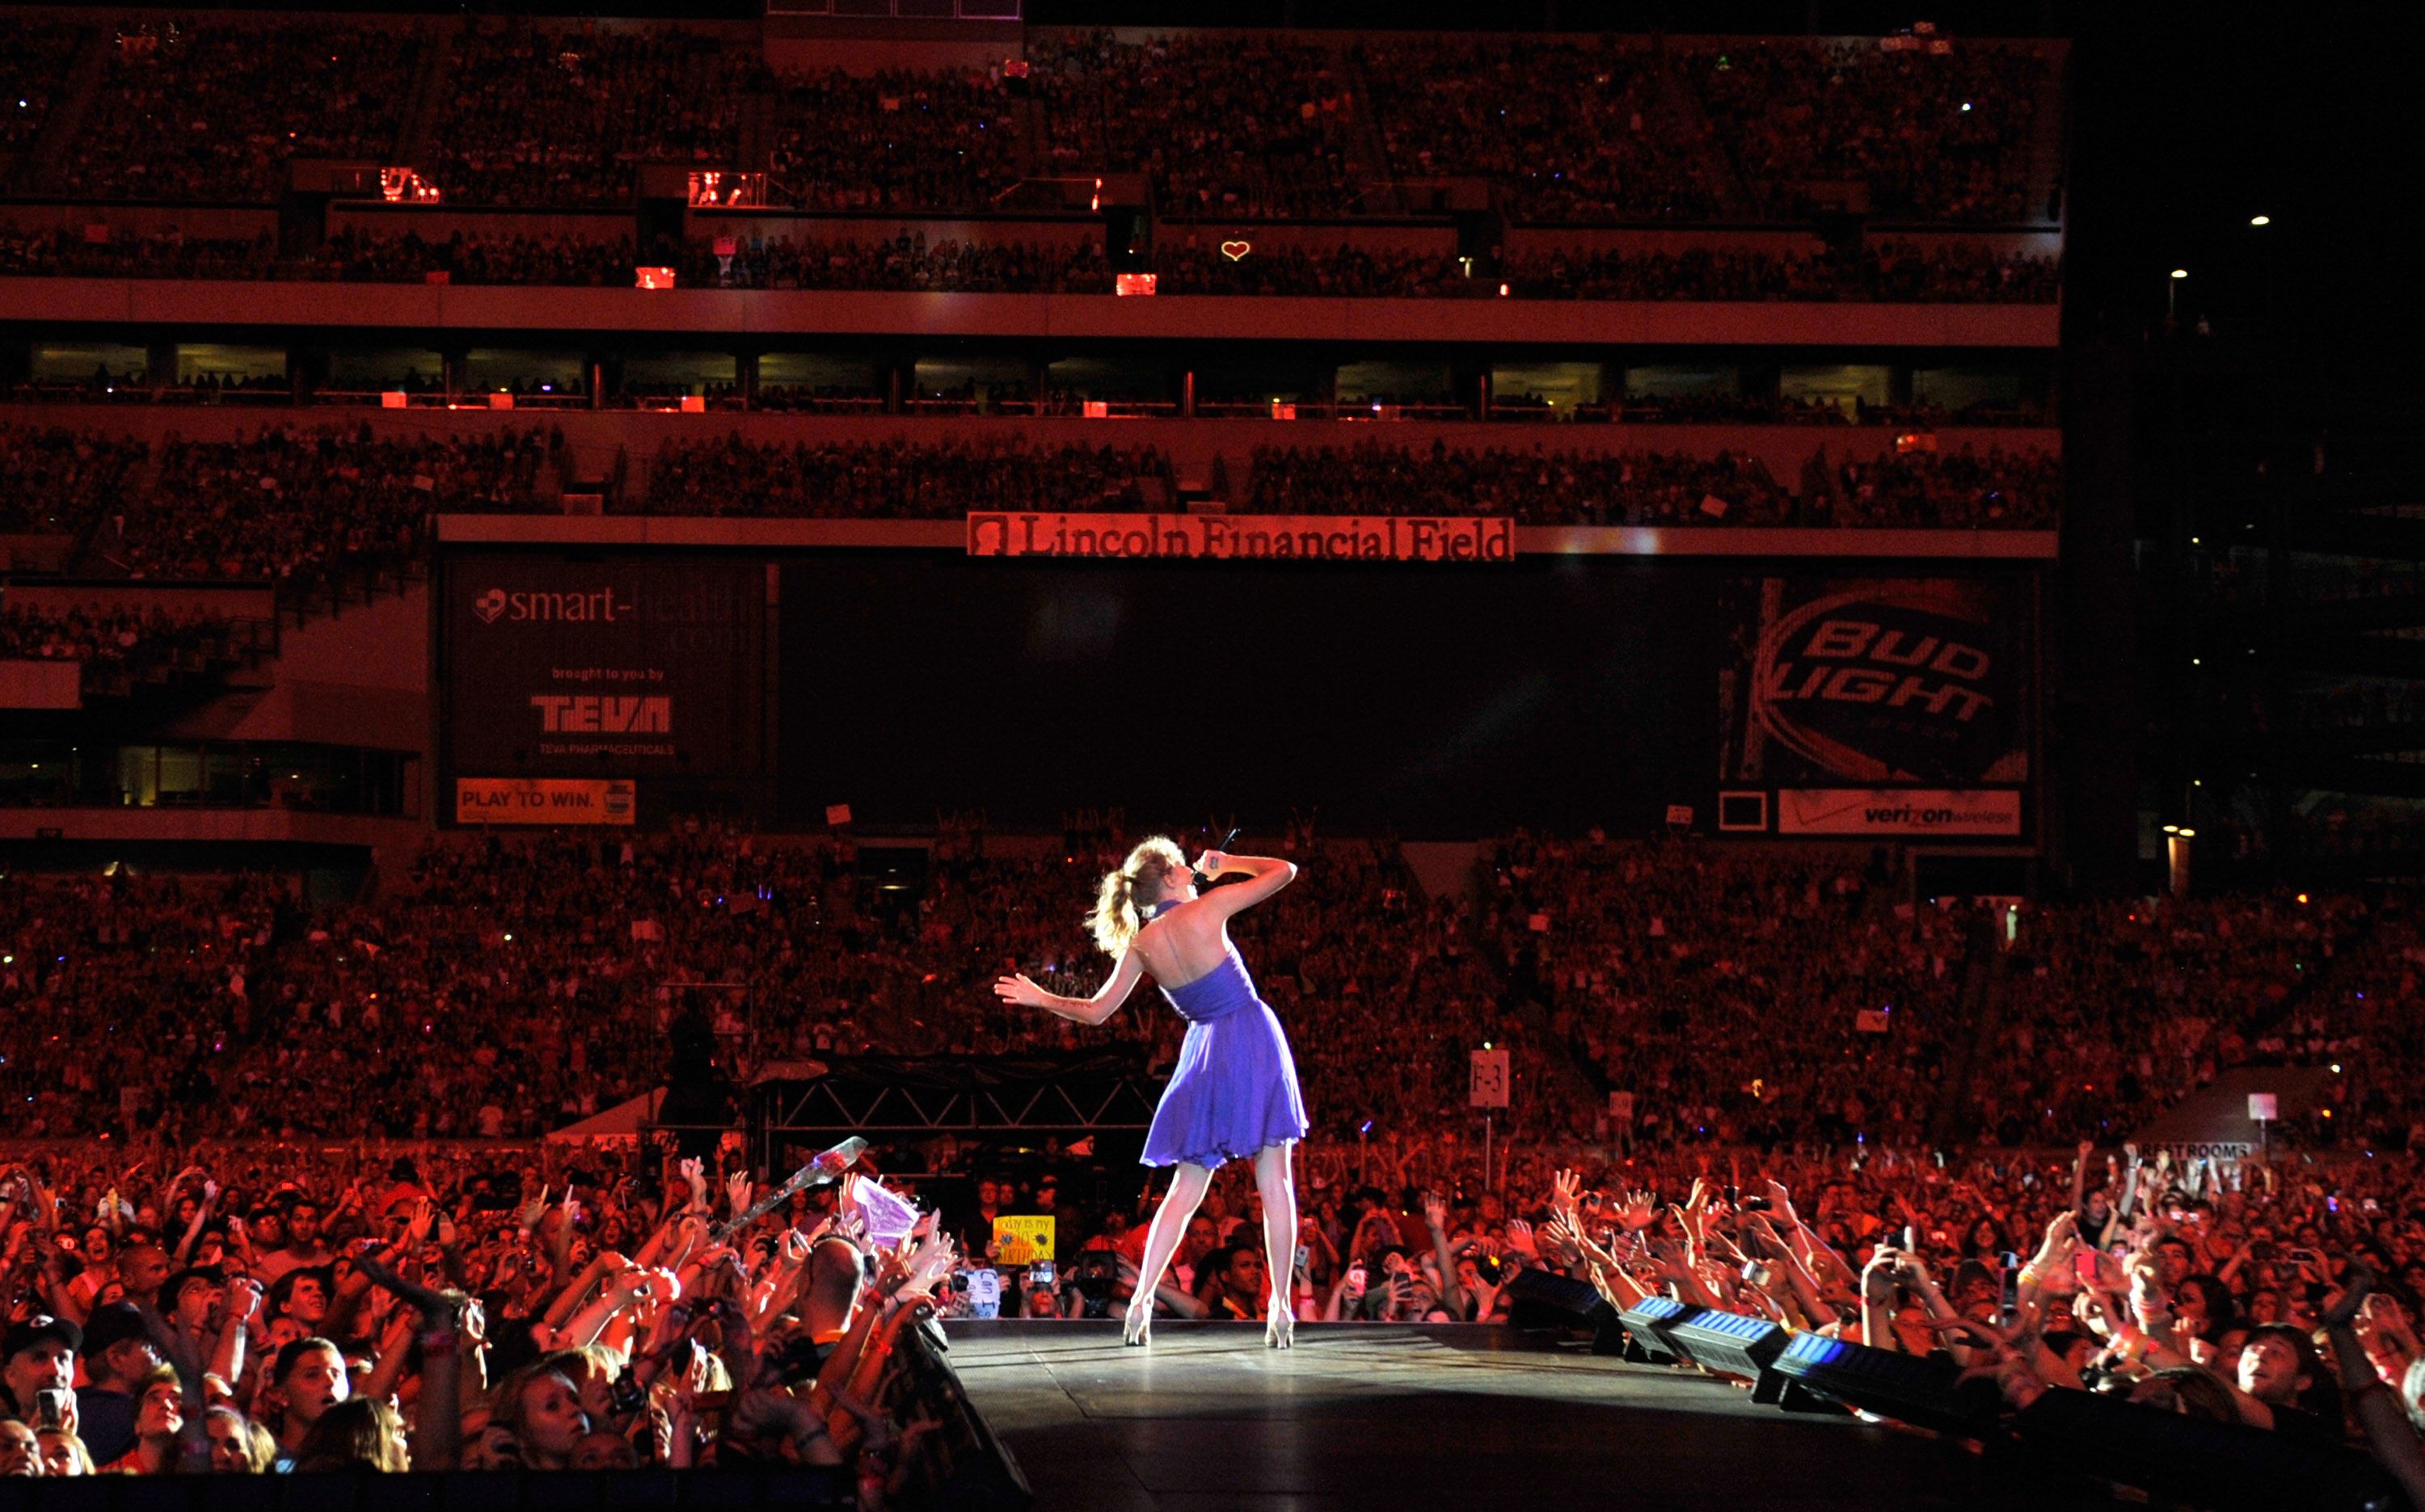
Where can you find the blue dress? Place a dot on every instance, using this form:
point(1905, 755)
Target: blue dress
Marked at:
point(1235, 1089)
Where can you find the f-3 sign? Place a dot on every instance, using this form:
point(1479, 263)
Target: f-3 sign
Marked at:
point(1491, 1079)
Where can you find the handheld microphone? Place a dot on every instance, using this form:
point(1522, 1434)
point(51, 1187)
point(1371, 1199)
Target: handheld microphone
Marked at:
point(1202, 881)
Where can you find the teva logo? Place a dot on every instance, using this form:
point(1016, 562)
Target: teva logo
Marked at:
point(597, 604)
point(585, 714)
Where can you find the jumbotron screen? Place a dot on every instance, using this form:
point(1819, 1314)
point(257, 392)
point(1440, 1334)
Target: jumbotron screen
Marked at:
point(1442, 701)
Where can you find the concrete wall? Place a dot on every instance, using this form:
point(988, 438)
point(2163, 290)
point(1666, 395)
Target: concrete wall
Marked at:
point(169, 307)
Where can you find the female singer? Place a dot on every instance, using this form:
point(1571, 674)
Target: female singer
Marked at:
point(1234, 1095)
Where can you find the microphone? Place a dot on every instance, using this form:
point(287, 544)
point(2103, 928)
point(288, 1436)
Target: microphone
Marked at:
point(1202, 881)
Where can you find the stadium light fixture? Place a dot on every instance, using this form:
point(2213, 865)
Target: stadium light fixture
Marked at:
point(2260, 220)
point(2171, 829)
point(2180, 273)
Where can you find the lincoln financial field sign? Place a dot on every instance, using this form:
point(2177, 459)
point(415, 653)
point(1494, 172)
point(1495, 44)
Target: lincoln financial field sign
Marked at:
point(604, 669)
point(1245, 538)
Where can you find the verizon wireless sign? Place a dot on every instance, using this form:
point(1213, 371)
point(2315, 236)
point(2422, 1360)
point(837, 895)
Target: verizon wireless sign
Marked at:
point(1245, 538)
point(1914, 811)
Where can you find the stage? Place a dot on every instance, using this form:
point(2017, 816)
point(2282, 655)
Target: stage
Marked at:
point(1404, 1417)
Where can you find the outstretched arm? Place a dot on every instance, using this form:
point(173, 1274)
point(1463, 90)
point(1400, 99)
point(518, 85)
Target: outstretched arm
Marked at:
point(1106, 1001)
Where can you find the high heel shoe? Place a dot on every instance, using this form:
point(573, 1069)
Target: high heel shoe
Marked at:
point(1279, 1332)
point(1138, 1327)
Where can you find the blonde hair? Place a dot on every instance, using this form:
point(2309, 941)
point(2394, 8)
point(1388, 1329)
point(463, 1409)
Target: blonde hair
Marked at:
point(1116, 917)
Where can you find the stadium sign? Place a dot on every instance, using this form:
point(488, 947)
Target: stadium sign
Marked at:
point(1915, 811)
point(542, 800)
point(1244, 538)
point(640, 666)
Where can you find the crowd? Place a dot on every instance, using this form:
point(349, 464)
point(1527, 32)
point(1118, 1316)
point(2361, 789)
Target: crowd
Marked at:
point(38, 54)
point(541, 117)
point(213, 111)
point(1904, 271)
point(901, 479)
point(1733, 1069)
point(938, 140)
point(1238, 124)
point(52, 478)
point(303, 509)
point(905, 262)
point(1887, 271)
point(1535, 486)
point(1928, 134)
point(317, 1311)
point(1572, 132)
point(2112, 1008)
point(1959, 490)
point(115, 646)
point(356, 255)
point(502, 987)
point(63, 253)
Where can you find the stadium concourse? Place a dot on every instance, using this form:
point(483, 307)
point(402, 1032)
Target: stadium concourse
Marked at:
point(546, 841)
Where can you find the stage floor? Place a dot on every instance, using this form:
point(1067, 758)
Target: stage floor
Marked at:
point(1404, 1417)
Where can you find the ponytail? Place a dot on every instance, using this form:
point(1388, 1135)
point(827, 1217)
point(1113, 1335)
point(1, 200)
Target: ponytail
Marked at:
point(1116, 917)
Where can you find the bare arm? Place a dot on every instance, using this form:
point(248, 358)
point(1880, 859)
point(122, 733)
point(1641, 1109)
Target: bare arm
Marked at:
point(1102, 1005)
point(2376, 1406)
point(1436, 1220)
point(1265, 875)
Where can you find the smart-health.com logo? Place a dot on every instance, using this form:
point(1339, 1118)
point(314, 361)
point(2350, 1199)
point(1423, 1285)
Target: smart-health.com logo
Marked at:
point(598, 604)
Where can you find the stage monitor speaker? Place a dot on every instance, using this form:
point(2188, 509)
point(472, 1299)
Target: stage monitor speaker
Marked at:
point(1911, 1389)
point(1652, 1321)
point(1545, 1299)
point(2199, 1462)
point(1735, 1343)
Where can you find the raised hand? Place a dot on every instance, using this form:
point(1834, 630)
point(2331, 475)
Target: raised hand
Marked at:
point(1566, 1190)
point(1519, 1238)
point(1435, 1210)
point(1781, 1201)
point(2353, 1298)
point(1637, 1212)
point(931, 1262)
point(736, 1191)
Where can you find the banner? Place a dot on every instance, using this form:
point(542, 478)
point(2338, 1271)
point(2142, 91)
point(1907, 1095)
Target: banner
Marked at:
point(1245, 538)
point(616, 668)
point(1021, 1240)
point(1876, 681)
point(542, 800)
point(1896, 811)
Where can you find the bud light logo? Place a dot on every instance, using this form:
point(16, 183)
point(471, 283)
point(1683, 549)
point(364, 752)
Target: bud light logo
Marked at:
point(1897, 681)
point(490, 605)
